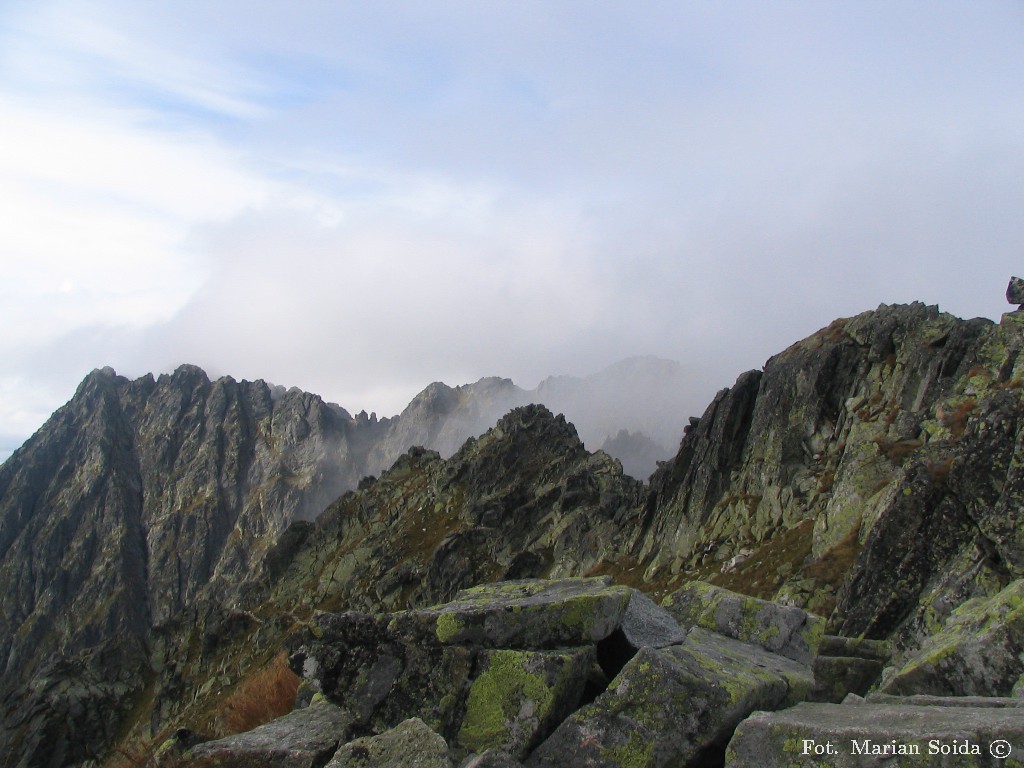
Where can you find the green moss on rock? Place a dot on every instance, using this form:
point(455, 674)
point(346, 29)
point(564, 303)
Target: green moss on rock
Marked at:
point(520, 696)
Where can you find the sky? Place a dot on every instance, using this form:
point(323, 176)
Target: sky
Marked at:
point(361, 198)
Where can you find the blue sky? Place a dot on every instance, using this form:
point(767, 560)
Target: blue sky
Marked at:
point(361, 198)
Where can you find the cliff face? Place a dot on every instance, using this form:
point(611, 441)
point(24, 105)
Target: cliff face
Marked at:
point(140, 496)
point(869, 473)
point(821, 434)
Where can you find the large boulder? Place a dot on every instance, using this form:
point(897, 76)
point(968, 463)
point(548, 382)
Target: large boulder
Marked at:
point(519, 697)
point(304, 738)
point(497, 668)
point(842, 736)
point(382, 674)
point(668, 706)
point(530, 613)
point(782, 629)
point(410, 744)
point(979, 651)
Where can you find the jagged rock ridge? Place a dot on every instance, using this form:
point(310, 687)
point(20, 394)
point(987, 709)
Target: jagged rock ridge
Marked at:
point(152, 493)
point(869, 473)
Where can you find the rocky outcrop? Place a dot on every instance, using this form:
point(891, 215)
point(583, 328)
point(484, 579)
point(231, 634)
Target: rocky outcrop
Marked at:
point(1015, 291)
point(566, 673)
point(306, 738)
point(497, 668)
point(979, 651)
point(820, 434)
point(782, 629)
point(523, 500)
point(870, 474)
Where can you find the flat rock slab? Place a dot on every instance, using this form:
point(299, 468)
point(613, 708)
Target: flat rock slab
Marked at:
point(410, 744)
point(924, 700)
point(668, 705)
point(782, 629)
point(531, 613)
point(841, 736)
point(304, 738)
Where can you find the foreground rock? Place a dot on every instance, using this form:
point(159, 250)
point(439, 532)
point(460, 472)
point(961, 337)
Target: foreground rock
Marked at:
point(978, 652)
point(521, 696)
point(306, 738)
point(841, 736)
point(669, 706)
point(499, 667)
point(410, 743)
point(581, 673)
point(781, 629)
point(502, 671)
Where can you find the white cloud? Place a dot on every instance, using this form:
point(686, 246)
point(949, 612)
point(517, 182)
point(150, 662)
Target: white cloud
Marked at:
point(75, 48)
point(357, 199)
point(96, 214)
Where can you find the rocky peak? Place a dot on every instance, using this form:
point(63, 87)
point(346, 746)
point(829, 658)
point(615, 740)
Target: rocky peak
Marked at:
point(870, 473)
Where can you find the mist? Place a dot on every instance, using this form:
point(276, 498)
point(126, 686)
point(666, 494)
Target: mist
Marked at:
point(359, 201)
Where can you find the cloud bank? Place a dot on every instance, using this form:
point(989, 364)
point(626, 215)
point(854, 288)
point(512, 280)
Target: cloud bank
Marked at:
point(359, 200)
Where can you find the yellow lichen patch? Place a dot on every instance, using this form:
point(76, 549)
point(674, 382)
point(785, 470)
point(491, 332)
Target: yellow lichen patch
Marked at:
point(635, 753)
point(508, 701)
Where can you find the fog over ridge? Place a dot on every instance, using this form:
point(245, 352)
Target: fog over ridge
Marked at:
point(359, 200)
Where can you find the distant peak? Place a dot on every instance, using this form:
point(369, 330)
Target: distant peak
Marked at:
point(535, 416)
point(98, 378)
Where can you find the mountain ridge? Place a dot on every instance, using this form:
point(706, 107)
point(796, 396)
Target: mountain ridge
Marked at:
point(868, 473)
